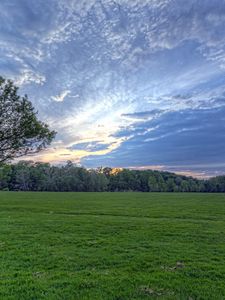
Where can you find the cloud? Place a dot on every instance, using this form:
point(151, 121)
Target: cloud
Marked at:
point(27, 77)
point(91, 147)
point(145, 115)
point(134, 74)
point(61, 96)
point(189, 141)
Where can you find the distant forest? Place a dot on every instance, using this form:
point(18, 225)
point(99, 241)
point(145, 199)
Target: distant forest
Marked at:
point(31, 176)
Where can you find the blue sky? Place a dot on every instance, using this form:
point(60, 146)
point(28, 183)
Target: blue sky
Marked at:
point(137, 84)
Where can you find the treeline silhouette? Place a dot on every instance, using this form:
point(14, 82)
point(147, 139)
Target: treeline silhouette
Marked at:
point(31, 176)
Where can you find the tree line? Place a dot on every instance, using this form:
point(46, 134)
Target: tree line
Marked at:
point(36, 176)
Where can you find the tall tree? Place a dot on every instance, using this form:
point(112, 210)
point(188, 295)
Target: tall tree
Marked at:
point(21, 132)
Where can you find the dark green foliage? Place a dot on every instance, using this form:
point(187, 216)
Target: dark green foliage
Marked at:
point(21, 132)
point(108, 246)
point(30, 176)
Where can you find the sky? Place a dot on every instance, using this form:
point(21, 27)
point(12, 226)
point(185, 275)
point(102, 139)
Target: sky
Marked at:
point(125, 83)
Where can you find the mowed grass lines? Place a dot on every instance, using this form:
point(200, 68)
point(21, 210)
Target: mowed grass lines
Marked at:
point(112, 246)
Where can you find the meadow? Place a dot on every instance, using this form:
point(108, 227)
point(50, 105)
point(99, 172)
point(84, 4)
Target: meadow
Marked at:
point(112, 246)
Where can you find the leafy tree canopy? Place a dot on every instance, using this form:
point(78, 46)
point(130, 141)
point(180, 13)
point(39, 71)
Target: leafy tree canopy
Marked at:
point(21, 132)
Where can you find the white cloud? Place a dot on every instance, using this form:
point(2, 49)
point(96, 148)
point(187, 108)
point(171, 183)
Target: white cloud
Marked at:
point(28, 76)
point(61, 96)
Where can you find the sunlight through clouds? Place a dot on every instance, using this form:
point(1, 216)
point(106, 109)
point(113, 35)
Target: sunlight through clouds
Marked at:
point(121, 79)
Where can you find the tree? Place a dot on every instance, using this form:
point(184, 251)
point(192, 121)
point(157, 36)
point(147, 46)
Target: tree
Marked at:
point(171, 187)
point(21, 132)
point(5, 176)
point(152, 183)
point(22, 176)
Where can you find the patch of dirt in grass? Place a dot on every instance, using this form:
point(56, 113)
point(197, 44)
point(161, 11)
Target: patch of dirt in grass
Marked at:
point(38, 274)
point(179, 265)
point(2, 244)
point(152, 292)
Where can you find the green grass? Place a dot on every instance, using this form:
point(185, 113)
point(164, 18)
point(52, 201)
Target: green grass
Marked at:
point(112, 246)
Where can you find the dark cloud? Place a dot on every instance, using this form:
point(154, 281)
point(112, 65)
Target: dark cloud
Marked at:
point(189, 138)
point(95, 146)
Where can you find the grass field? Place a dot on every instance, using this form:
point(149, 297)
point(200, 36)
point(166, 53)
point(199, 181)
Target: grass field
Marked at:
point(112, 246)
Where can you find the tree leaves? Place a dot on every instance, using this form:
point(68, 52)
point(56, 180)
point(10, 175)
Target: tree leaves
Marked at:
point(21, 132)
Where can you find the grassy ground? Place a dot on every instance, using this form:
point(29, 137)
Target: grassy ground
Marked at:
point(112, 246)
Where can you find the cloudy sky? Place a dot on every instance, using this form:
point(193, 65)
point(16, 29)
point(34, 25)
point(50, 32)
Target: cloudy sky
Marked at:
point(125, 83)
